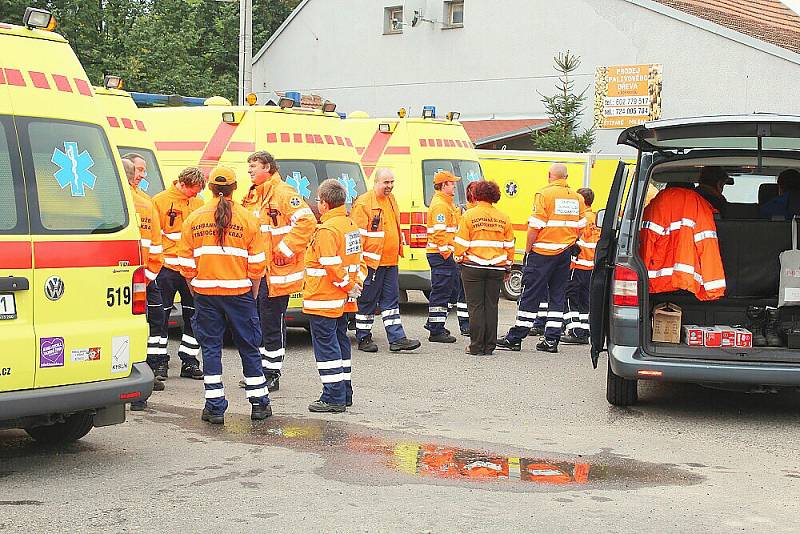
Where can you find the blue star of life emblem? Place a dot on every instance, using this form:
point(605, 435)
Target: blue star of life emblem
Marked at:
point(511, 189)
point(300, 184)
point(144, 185)
point(349, 186)
point(74, 169)
point(472, 176)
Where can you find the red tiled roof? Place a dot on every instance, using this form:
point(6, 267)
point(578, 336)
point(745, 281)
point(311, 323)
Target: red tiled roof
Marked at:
point(493, 127)
point(767, 20)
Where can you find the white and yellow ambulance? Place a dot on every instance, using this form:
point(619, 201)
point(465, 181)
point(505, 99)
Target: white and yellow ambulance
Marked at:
point(72, 289)
point(415, 149)
point(309, 145)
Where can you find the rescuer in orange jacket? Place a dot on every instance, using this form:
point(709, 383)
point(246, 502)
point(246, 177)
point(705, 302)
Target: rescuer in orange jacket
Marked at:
point(554, 226)
point(443, 217)
point(334, 278)
point(378, 218)
point(484, 245)
point(150, 247)
point(221, 255)
point(173, 206)
point(576, 317)
point(139, 184)
point(678, 244)
point(287, 224)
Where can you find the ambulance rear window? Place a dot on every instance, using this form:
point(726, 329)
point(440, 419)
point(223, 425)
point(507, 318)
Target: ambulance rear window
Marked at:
point(12, 194)
point(154, 183)
point(468, 171)
point(73, 183)
point(306, 175)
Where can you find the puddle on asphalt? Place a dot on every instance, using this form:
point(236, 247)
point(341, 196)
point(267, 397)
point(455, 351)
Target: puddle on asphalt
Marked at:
point(358, 454)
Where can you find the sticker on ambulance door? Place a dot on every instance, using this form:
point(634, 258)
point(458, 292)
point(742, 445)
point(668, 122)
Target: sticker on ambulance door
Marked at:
point(352, 243)
point(300, 184)
point(120, 354)
point(567, 206)
point(74, 169)
point(349, 187)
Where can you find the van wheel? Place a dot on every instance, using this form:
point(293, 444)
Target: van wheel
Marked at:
point(512, 288)
point(621, 391)
point(72, 429)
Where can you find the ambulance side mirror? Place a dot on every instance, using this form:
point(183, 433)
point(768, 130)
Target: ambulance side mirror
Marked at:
point(600, 216)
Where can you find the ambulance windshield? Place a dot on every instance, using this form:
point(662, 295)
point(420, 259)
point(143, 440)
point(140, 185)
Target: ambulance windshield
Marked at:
point(469, 171)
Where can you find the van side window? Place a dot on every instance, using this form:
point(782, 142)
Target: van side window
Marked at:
point(469, 171)
point(155, 182)
point(73, 183)
point(13, 218)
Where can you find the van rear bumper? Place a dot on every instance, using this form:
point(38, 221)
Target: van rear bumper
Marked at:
point(420, 280)
point(77, 397)
point(628, 361)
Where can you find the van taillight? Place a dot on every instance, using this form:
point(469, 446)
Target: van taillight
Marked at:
point(419, 232)
point(626, 287)
point(139, 303)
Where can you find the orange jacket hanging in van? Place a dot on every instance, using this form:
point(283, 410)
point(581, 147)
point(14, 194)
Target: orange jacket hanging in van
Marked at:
point(679, 244)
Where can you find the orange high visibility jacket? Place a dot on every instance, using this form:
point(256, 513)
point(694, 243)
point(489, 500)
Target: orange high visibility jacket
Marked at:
point(368, 216)
point(333, 265)
point(443, 217)
point(587, 243)
point(138, 191)
point(679, 246)
point(287, 224)
point(559, 215)
point(229, 269)
point(485, 238)
point(150, 243)
point(173, 208)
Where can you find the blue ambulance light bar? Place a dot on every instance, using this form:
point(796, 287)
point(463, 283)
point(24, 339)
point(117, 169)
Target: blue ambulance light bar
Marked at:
point(149, 100)
point(429, 112)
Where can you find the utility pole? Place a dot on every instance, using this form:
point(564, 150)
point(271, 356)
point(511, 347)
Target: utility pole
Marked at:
point(245, 49)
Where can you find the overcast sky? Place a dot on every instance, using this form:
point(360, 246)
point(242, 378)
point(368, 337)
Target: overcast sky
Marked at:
point(794, 4)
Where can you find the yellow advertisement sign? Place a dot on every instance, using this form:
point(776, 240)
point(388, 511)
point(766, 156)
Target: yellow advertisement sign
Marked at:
point(627, 95)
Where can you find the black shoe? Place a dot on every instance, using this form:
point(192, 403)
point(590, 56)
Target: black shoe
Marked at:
point(504, 344)
point(537, 331)
point(260, 412)
point(349, 403)
point(273, 382)
point(468, 351)
point(569, 339)
point(465, 333)
point(405, 344)
point(772, 331)
point(756, 321)
point(211, 418)
point(441, 338)
point(367, 345)
point(158, 385)
point(547, 345)
point(138, 406)
point(161, 372)
point(323, 407)
point(191, 370)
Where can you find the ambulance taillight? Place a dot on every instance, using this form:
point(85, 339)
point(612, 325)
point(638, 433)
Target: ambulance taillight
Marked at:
point(419, 231)
point(139, 286)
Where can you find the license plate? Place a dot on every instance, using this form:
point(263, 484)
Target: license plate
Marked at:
point(8, 306)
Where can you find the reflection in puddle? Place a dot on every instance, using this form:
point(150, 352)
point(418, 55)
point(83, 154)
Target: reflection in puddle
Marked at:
point(363, 455)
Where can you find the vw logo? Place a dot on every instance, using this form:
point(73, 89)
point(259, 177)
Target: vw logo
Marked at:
point(54, 288)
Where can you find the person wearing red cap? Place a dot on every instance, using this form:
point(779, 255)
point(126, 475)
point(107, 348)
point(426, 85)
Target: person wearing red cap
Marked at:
point(443, 216)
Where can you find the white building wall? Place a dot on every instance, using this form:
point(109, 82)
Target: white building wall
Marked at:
point(496, 65)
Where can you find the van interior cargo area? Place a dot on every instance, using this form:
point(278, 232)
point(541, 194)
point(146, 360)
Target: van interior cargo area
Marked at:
point(749, 248)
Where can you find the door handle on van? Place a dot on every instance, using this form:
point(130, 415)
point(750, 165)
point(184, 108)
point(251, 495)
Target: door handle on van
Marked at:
point(14, 283)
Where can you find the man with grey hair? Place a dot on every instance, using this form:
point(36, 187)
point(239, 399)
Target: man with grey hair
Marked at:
point(559, 214)
point(333, 280)
point(378, 219)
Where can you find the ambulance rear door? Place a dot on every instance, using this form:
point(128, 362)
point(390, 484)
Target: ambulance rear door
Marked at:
point(18, 354)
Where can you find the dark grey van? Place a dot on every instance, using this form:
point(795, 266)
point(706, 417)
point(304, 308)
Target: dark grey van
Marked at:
point(753, 149)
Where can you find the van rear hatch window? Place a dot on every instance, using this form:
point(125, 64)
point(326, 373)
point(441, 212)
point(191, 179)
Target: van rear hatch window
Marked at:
point(73, 183)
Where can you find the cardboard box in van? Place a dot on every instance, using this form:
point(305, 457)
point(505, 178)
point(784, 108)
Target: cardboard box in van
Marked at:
point(667, 323)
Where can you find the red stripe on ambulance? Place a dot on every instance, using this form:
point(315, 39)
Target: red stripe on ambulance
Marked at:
point(15, 255)
point(68, 254)
point(180, 145)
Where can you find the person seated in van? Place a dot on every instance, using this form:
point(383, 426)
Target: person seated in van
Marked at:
point(787, 203)
point(712, 181)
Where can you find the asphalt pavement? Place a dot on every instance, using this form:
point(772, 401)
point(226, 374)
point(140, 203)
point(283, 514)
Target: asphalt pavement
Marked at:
point(436, 441)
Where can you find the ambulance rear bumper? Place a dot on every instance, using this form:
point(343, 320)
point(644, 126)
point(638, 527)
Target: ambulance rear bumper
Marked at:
point(419, 280)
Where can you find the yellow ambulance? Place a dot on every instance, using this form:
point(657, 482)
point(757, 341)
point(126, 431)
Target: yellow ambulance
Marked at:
point(521, 173)
point(72, 289)
point(415, 149)
point(128, 132)
point(309, 145)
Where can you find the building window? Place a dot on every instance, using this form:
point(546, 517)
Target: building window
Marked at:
point(454, 14)
point(393, 20)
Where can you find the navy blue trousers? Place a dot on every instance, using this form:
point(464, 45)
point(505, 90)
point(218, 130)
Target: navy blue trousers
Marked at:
point(332, 352)
point(445, 281)
point(381, 290)
point(544, 278)
point(459, 301)
point(576, 318)
point(213, 314)
point(272, 311)
point(157, 339)
point(171, 282)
